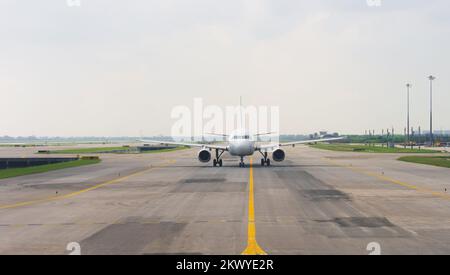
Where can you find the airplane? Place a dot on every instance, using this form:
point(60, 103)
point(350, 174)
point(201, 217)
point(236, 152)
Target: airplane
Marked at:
point(241, 144)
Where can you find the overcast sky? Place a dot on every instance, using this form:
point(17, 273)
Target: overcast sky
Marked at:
point(113, 68)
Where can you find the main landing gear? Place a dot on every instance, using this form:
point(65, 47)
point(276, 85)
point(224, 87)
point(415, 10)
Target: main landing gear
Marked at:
point(265, 160)
point(218, 160)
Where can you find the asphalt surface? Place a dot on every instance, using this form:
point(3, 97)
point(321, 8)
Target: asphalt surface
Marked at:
point(316, 202)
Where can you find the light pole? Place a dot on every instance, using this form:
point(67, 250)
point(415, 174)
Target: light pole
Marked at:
point(408, 86)
point(420, 137)
point(431, 78)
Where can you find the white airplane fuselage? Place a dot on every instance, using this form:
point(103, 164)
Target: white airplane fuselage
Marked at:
point(241, 147)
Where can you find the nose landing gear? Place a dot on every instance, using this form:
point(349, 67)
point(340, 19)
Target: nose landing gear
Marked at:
point(241, 163)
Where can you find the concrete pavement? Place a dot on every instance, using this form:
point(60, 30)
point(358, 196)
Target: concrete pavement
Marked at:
point(316, 202)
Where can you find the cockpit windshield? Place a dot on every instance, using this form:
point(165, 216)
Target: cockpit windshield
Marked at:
point(241, 137)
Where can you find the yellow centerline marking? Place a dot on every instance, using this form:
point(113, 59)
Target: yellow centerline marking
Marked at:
point(391, 180)
point(73, 194)
point(252, 245)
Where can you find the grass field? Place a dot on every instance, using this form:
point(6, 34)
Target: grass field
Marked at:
point(98, 150)
point(88, 150)
point(15, 172)
point(165, 150)
point(441, 161)
point(368, 149)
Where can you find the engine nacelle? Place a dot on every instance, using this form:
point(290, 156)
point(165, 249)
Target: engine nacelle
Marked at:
point(204, 156)
point(278, 155)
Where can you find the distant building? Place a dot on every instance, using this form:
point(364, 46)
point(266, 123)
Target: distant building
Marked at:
point(323, 134)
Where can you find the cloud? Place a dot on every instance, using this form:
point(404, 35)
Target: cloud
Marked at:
point(116, 68)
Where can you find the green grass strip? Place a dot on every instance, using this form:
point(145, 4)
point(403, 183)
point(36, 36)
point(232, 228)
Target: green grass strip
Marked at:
point(443, 161)
point(109, 150)
point(15, 172)
point(370, 149)
point(89, 150)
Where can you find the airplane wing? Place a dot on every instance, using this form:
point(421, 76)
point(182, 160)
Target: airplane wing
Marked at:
point(208, 146)
point(272, 146)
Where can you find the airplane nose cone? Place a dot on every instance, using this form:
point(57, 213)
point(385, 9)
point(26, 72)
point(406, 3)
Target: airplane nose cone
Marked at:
point(243, 148)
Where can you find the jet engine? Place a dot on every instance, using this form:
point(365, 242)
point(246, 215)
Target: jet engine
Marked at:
point(278, 155)
point(204, 156)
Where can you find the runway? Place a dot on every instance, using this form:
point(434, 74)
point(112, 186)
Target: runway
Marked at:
point(316, 202)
